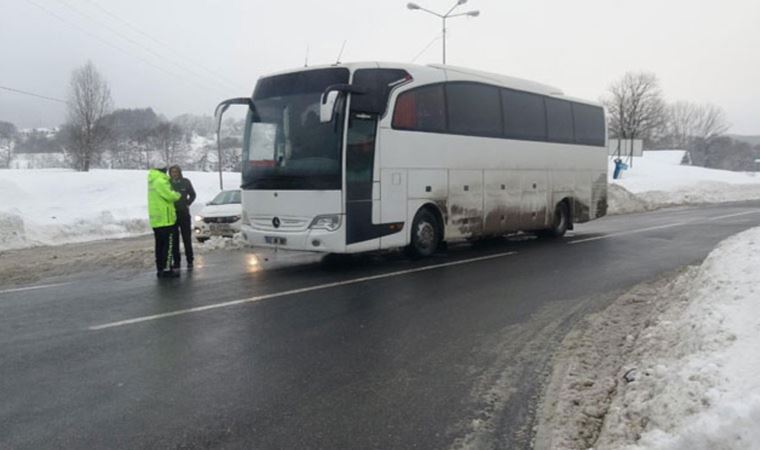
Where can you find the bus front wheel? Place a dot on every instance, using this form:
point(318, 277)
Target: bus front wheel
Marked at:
point(426, 234)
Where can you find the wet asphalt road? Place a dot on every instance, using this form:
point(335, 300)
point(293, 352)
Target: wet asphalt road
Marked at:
point(287, 351)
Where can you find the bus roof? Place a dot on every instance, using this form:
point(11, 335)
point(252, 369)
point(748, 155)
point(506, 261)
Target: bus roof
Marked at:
point(462, 72)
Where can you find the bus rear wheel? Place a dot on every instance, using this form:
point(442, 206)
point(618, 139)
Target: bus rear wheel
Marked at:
point(426, 234)
point(561, 222)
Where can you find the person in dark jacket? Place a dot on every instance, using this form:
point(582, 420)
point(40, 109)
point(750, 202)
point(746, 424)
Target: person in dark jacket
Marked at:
point(184, 222)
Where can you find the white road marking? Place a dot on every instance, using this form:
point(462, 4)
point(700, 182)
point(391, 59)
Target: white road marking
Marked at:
point(32, 288)
point(294, 291)
point(625, 233)
point(660, 227)
point(745, 213)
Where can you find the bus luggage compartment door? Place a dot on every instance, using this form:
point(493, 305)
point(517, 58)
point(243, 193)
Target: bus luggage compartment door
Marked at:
point(465, 206)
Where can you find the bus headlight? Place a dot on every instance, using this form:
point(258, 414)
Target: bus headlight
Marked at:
point(329, 222)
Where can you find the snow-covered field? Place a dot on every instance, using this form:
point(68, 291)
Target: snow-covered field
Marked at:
point(658, 180)
point(57, 206)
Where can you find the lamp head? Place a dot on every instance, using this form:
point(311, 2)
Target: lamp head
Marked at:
point(413, 6)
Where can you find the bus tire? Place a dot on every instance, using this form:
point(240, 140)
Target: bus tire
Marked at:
point(561, 222)
point(426, 234)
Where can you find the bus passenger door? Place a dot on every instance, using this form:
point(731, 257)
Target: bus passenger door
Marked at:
point(360, 163)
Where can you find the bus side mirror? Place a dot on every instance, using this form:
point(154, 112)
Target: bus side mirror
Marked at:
point(327, 106)
point(330, 99)
point(218, 114)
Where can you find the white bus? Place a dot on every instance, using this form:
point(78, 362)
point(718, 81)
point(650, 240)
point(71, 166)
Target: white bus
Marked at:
point(367, 156)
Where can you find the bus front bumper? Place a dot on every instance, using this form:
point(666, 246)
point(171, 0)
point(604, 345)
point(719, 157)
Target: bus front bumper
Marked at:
point(312, 240)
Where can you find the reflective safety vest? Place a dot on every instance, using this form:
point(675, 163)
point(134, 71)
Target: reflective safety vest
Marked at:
point(161, 200)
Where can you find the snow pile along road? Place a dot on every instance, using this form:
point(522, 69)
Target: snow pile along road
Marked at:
point(671, 364)
point(658, 180)
point(697, 384)
point(58, 206)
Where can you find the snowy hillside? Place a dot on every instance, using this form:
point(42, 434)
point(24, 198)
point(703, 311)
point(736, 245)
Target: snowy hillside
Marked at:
point(56, 206)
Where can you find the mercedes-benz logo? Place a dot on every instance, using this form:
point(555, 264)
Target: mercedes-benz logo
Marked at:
point(276, 222)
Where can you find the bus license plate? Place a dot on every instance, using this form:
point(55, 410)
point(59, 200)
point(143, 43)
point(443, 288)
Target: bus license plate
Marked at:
point(275, 240)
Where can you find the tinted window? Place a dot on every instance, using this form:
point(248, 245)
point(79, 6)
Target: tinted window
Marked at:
point(474, 109)
point(589, 124)
point(421, 109)
point(378, 84)
point(285, 146)
point(306, 82)
point(524, 115)
point(559, 120)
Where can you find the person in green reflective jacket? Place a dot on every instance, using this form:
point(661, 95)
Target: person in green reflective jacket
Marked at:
point(163, 217)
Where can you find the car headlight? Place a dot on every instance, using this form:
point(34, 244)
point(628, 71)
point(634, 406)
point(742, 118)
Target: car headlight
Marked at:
point(234, 219)
point(329, 222)
point(199, 218)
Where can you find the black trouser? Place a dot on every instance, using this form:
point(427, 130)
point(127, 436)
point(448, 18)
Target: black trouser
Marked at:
point(164, 237)
point(185, 227)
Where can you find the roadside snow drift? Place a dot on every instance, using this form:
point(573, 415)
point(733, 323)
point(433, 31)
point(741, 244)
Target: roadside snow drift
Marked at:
point(658, 180)
point(57, 206)
point(671, 364)
point(699, 371)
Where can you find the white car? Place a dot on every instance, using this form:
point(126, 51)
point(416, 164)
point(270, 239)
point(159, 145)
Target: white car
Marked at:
point(220, 217)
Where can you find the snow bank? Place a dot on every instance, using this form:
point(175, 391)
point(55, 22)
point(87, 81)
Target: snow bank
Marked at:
point(218, 242)
point(698, 385)
point(671, 364)
point(658, 180)
point(696, 364)
point(57, 206)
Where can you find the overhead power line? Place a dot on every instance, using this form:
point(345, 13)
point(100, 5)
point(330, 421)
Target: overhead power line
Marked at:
point(32, 94)
point(145, 48)
point(136, 29)
point(109, 44)
point(438, 36)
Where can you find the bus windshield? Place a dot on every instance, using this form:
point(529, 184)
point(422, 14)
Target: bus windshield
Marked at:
point(285, 145)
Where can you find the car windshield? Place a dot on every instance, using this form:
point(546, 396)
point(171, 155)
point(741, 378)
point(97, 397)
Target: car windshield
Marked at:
point(285, 144)
point(226, 198)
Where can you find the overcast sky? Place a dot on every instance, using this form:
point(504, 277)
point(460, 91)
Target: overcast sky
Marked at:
point(186, 55)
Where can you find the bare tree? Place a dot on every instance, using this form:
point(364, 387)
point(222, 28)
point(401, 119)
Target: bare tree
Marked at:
point(89, 100)
point(8, 134)
point(169, 141)
point(687, 121)
point(711, 122)
point(635, 105)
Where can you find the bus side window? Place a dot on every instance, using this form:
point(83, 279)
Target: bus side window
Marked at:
point(474, 109)
point(405, 115)
point(524, 115)
point(559, 115)
point(421, 109)
point(589, 124)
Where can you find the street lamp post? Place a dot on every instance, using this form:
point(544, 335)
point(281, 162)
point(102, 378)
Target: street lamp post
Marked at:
point(443, 17)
